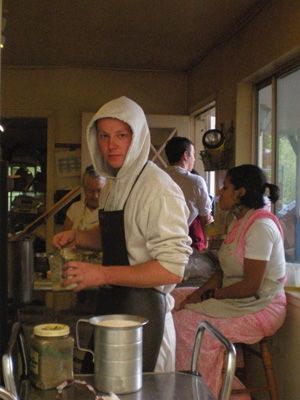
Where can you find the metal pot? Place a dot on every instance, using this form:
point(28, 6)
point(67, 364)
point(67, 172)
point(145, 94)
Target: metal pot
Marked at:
point(20, 254)
point(20, 263)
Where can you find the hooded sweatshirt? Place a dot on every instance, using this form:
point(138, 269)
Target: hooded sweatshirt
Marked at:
point(155, 215)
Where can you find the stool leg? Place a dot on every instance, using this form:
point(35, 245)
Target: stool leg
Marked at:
point(267, 360)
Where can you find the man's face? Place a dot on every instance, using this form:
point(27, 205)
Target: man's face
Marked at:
point(191, 158)
point(92, 189)
point(114, 139)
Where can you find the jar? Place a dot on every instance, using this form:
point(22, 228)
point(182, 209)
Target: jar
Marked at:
point(51, 355)
point(56, 262)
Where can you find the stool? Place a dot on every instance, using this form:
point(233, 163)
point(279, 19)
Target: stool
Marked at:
point(243, 373)
point(229, 358)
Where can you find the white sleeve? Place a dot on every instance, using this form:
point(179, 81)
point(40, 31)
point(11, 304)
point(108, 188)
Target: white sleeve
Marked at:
point(204, 203)
point(164, 225)
point(260, 239)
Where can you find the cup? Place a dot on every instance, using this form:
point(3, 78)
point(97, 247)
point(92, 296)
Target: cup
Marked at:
point(118, 352)
point(56, 261)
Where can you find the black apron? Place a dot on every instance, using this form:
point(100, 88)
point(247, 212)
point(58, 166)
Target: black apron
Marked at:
point(148, 303)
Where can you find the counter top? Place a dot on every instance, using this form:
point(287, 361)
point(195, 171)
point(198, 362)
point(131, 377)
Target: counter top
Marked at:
point(156, 386)
point(293, 295)
point(42, 284)
point(45, 285)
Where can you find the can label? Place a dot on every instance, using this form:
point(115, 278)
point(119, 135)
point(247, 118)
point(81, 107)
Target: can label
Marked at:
point(34, 361)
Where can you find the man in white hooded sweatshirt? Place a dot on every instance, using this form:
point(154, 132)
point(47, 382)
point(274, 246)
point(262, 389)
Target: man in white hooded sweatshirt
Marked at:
point(143, 231)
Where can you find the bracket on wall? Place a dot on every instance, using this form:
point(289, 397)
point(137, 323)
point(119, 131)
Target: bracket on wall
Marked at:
point(216, 155)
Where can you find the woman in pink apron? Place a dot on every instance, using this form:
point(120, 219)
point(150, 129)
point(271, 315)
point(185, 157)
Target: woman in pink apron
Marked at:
point(245, 299)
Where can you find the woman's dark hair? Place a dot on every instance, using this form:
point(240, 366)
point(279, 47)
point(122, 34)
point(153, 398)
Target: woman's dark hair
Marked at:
point(253, 179)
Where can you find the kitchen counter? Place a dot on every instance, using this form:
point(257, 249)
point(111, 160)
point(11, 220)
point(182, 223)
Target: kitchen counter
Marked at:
point(42, 285)
point(160, 386)
point(58, 299)
point(156, 386)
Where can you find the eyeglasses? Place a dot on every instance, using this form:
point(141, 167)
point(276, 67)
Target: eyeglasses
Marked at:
point(93, 191)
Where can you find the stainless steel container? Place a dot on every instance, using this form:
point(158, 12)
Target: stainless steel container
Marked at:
point(20, 261)
point(118, 349)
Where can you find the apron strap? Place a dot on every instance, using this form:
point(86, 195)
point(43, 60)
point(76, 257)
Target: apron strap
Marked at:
point(113, 233)
point(135, 183)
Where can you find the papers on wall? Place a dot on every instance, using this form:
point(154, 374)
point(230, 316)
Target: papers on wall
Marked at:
point(68, 163)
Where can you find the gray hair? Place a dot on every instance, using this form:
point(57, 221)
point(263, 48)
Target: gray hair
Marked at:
point(90, 171)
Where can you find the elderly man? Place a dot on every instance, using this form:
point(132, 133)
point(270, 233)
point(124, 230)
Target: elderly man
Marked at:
point(83, 214)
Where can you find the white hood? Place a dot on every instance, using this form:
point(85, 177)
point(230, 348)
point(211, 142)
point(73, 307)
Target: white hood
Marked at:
point(120, 181)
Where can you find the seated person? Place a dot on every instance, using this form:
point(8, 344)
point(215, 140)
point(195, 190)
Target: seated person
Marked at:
point(83, 214)
point(245, 299)
point(180, 153)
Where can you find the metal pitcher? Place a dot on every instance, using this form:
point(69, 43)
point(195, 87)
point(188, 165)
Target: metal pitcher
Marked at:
point(118, 352)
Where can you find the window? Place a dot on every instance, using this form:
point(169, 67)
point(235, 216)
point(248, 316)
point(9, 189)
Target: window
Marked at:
point(265, 138)
point(204, 121)
point(279, 151)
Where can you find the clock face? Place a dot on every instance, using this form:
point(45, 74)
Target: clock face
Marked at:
point(213, 138)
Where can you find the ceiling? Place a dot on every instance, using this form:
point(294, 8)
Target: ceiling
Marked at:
point(162, 35)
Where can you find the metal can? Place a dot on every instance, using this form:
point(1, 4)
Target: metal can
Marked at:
point(118, 352)
point(51, 355)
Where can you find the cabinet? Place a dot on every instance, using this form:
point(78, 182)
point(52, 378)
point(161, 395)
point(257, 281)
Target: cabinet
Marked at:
point(26, 194)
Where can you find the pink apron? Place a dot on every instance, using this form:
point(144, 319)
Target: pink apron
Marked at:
point(232, 266)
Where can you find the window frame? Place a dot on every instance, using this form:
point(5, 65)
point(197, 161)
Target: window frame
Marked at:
point(273, 80)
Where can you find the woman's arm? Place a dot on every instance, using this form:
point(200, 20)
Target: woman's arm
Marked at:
point(213, 282)
point(254, 271)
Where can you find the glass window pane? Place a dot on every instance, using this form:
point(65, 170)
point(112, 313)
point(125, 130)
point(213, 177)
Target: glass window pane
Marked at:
point(265, 142)
point(203, 122)
point(288, 160)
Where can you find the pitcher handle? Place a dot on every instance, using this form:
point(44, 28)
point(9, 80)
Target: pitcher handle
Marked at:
point(77, 337)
